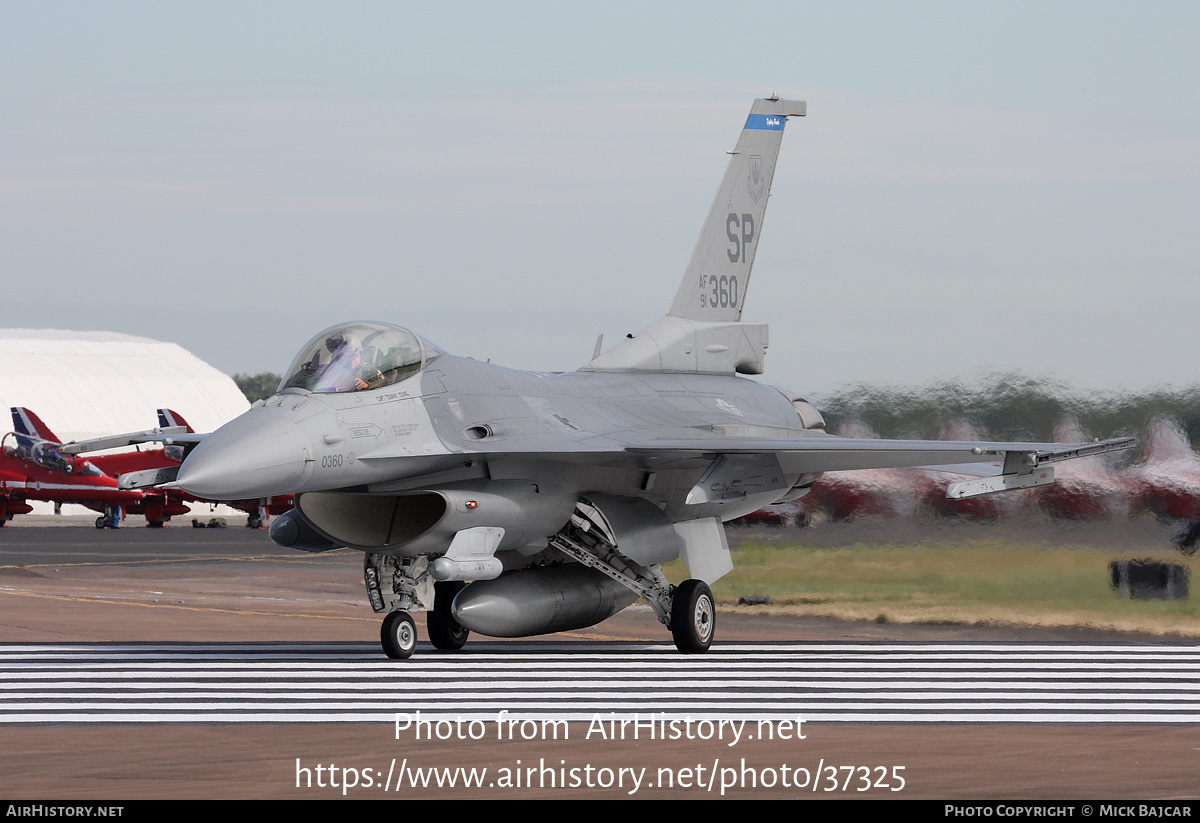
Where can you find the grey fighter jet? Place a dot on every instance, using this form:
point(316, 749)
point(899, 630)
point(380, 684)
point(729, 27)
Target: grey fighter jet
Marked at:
point(515, 503)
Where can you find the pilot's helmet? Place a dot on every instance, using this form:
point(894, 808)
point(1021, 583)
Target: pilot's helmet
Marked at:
point(342, 343)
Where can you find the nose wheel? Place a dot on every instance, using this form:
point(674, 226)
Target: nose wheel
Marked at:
point(398, 635)
point(693, 617)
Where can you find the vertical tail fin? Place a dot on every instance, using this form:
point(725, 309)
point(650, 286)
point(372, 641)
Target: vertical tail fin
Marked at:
point(27, 423)
point(168, 418)
point(703, 332)
point(714, 287)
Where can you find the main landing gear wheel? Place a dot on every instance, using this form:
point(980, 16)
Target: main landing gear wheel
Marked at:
point(693, 617)
point(398, 635)
point(445, 632)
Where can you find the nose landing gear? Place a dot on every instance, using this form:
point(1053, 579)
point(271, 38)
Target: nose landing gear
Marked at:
point(403, 586)
point(398, 635)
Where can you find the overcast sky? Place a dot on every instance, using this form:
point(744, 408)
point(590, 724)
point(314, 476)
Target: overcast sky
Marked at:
point(976, 187)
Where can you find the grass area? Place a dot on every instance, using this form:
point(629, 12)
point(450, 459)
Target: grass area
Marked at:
point(951, 581)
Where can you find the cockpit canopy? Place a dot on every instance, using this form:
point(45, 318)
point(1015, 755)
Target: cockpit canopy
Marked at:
point(45, 454)
point(358, 357)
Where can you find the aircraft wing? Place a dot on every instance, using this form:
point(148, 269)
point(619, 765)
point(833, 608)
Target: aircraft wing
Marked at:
point(1015, 462)
point(816, 454)
point(1020, 462)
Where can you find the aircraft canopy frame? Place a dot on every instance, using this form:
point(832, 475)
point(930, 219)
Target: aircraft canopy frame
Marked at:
point(357, 356)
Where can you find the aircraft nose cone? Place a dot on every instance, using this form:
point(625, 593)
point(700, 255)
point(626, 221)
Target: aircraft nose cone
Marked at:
point(255, 455)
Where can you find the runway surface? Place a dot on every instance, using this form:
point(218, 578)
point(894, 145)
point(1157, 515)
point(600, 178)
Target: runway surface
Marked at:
point(820, 682)
point(209, 663)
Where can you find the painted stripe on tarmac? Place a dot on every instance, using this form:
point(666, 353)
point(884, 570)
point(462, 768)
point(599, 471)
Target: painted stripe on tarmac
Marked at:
point(821, 682)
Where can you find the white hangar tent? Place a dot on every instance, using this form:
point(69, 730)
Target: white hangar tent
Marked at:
point(90, 384)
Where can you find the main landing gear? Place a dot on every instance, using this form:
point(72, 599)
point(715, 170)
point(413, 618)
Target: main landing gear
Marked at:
point(445, 632)
point(401, 586)
point(693, 619)
point(693, 616)
point(688, 610)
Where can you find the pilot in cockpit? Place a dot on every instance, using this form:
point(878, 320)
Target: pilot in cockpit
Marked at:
point(357, 357)
point(346, 365)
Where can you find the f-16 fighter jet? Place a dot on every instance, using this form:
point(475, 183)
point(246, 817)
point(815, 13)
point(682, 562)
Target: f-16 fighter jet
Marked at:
point(515, 503)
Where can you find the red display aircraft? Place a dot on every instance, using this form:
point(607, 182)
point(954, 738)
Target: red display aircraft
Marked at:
point(33, 469)
point(159, 504)
point(1166, 483)
point(156, 505)
point(33, 444)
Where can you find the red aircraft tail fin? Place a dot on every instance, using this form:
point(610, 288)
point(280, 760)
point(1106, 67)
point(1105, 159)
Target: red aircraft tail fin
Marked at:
point(27, 423)
point(167, 418)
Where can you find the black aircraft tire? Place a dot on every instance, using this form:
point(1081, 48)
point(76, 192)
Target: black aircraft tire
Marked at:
point(398, 635)
point(693, 617)
point(445, 632)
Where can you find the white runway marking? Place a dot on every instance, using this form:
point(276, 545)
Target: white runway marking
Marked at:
point(820, 682)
